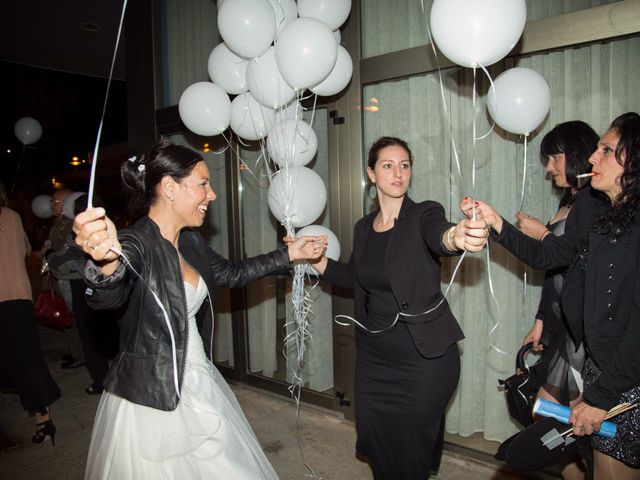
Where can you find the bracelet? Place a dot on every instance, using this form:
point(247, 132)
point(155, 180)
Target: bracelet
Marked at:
point(544, 234)
point(449, 240)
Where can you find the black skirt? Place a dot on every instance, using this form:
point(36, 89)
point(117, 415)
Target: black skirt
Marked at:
point(22, 367)
point(401, 398)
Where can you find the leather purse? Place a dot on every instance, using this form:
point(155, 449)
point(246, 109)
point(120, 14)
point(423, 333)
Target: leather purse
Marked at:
point(51, 310)
point(522, 387)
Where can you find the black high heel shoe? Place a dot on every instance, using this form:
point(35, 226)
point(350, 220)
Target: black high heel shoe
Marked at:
point(42, 430)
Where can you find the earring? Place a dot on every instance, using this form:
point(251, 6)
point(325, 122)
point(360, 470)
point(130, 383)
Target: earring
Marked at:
point(373, 192)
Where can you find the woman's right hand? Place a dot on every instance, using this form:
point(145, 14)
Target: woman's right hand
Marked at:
point(534, 335)
point(482, 211)
point(531, 226)
point(97, 235)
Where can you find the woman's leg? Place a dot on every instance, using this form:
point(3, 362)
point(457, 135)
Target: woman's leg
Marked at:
point(572, 467)
point(608, 468)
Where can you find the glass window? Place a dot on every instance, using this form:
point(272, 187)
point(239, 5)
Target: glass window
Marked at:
point(189, 33)
point(268, 300)
point(592, 83)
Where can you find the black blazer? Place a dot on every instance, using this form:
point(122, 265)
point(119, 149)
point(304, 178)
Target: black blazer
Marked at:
point(554, 252)
point(413, 266)
point(602, 295)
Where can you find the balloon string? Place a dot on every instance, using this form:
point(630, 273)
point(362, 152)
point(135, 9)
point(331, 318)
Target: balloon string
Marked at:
point(444, 103)
point(496, 303)
point(351, 320)
point(524, 171)
point(492, 91)
point(94, 160)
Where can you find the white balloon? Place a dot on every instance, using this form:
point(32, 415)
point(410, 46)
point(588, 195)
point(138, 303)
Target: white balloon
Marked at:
point(292, 142)
point(297, 193)
point(28, 130)
point(249, 119)
point(292, 110)
point(306, 52)
point(266, 83)
point(521, 101)
point(332, 13)
point(205, 108)
point(228, 70)
point(338, 36)
point(68, 207)
point(339, 77)
point(285, 11)
point(333, 244)
point(477, 32)
point(41, 206)
point(247, 26)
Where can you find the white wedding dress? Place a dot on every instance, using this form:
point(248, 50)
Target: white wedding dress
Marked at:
point(206, 437)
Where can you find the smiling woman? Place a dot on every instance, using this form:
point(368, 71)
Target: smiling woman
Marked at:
point(166, 412)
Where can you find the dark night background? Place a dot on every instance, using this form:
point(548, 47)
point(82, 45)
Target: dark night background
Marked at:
point(68, 106)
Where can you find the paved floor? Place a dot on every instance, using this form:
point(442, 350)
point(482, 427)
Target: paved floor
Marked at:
point(320, 438)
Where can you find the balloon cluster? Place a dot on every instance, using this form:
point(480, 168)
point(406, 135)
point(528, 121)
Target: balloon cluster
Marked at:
point(479, 33)
point(273, 50)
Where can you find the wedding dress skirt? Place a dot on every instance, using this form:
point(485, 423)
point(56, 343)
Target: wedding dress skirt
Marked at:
point(206, 437)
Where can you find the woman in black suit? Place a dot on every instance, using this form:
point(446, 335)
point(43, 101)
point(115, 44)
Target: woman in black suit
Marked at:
point(601, 294)
point(408, 362)
point(607, 313)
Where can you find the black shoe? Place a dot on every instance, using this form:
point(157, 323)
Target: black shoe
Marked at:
point(72, 363)
point(43, 430)
point(91, 390)
point(68, 357)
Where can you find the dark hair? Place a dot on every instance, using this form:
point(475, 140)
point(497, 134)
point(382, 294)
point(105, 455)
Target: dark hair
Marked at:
point(141, 175)
point(625, 206)
point(577, 140)
point(384, 142)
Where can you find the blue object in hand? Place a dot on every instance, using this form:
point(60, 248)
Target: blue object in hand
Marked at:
point(561, 413)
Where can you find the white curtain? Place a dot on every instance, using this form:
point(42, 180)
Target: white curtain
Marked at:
point(190, 33)
point(593, 83)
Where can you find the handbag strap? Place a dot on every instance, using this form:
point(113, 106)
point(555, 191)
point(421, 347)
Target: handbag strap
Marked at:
point(521, 363)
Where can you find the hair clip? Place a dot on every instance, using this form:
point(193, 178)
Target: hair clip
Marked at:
point(141, 167)
point(133, 159)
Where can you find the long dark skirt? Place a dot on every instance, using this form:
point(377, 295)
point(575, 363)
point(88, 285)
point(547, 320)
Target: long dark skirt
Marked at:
point(22, 367)
point(401, 398)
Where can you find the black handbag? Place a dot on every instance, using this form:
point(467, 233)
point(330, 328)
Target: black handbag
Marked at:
point(521, 389)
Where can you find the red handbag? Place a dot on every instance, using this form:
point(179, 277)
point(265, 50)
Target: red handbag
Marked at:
point(51, 310)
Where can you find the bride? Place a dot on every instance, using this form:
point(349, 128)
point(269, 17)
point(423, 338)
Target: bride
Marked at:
point(166, 411)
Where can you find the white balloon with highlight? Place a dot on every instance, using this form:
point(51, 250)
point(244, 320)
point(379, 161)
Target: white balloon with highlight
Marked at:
point(41, 206)
point(339, 77)
point(521, 102)
point(306, 52)
point(249, 119)
point(292, 142)
point(247, 26)
point(472, 33)
point(228, 70)
point(28, 130)
point(265, 82)
point(298, 194)
point(332, 13)
point(205, 108)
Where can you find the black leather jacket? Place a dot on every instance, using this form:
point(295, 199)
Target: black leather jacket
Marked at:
point(149, 368)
